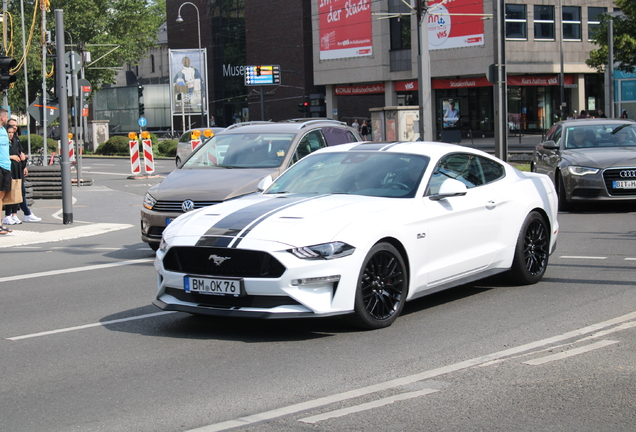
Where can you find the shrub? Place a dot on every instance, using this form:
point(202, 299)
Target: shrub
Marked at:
point(37, 143)
point(116, 145)
point(168, 148)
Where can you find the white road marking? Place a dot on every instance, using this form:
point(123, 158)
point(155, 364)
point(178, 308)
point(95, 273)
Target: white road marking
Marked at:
point(75, 270)
point(82, 327)
point(583, 257)
point(630, 259)
point(570, 353)
point(75, 232)
point(367, 406)
point(410, 379)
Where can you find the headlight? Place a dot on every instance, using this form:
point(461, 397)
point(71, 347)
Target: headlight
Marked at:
point(581, 171)
point(163, 245)
point(149, 201)
point(323, 251)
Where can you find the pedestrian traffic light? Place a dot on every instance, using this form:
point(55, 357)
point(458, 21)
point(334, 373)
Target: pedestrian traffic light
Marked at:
point(303, 107)
point(6, 78)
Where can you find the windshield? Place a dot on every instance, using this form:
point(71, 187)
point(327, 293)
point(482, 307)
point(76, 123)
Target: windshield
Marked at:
point(242, 150)
point(357, 173)
point(600, 135)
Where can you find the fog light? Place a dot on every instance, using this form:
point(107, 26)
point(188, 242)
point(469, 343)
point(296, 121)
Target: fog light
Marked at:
point(315, 280)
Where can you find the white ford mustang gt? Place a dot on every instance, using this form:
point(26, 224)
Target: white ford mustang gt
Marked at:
point(359, 229)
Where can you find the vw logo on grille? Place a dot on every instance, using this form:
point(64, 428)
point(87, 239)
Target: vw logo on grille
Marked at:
point(628, 173)
point(187, 205)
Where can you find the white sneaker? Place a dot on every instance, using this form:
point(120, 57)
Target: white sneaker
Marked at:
point(16, 220)
point(8, 221)
point(32, 218)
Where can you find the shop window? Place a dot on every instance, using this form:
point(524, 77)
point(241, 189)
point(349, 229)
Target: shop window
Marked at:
point(400, 32)
point(543, 22)
point(516, 21)
point(594, 15)
point(571, 18)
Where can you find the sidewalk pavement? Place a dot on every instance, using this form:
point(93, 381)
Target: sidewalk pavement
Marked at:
point(94, 210)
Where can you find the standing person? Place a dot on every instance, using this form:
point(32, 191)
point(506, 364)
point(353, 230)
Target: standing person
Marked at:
point(5, 164)
point(583, 114)
point(451, 116)
point(601, 114)
point(624, 114)
point(356, 125)
point(364, 130)
point(24, 205)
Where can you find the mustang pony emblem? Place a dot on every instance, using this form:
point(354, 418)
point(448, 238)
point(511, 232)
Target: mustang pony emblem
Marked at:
point(218, 260)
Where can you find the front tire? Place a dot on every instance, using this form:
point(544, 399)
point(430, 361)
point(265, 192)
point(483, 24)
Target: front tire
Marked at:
point(381, 290)
point(564, 204)
point(532, 251)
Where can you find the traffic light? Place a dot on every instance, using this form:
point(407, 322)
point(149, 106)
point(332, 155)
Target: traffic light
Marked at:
point(258, 70)
point(303, 107)
point(140, 93)
point(141, 109)
point(6, 78)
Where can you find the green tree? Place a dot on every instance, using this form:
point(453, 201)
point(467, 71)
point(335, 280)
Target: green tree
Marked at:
point(128, 28)
point(624, 39)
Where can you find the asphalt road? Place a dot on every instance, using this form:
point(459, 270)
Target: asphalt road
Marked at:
point(82, 348)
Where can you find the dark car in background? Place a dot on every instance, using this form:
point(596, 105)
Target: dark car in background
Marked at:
point(589, 160)
point(232, 163)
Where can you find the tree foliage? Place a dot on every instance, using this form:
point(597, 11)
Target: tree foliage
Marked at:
point(128, 28)
point(624, 39)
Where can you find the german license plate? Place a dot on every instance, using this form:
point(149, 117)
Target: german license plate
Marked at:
point(625, 184)
point(168, 220)
point(213, 286)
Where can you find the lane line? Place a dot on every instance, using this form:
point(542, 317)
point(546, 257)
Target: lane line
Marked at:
point(367, 406)
point(570, 353)
point(410, 379)
point(582, 257)
point(82, 327)
point(75, 270)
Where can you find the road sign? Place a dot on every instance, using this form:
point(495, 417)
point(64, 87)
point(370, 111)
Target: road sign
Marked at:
point(84, 87)
point(262, 75)
point(142, 121)
point(52, 110)
point(76, 58)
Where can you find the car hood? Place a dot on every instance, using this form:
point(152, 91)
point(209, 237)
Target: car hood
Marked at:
point(601, 157)
point(293, 220)
point(210, 184)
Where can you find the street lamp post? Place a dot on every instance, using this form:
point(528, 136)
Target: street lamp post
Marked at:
point(201, 65)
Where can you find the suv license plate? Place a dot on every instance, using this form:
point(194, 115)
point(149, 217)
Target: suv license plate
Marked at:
point(213, 286)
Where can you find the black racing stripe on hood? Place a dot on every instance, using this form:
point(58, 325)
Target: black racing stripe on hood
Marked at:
point(215, 241)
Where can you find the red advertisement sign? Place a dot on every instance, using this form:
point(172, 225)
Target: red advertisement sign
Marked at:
point(544, 80)
point(359, 89)
point(455, 24)
point(345, 28)
point(461, 83)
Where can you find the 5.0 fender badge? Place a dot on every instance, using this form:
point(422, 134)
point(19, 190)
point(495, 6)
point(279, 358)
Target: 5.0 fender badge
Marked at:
point(421, 235)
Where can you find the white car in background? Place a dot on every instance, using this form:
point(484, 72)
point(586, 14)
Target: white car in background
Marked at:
point(185, 147)
point(358, 230)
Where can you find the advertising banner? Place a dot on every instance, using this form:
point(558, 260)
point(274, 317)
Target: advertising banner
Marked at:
point(455, 24)
point(538, 80)
point(188, 91)
point(345, 28)
point(359, 89)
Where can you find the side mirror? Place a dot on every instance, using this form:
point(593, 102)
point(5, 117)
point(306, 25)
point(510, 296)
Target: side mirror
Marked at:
point(264, 183)
point(450, 188)
point(550, 145)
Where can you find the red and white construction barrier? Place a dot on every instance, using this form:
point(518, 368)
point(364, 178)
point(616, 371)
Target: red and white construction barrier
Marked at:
point(135, 164)
point(148, 157)
point(194, 143)
point(71, 151)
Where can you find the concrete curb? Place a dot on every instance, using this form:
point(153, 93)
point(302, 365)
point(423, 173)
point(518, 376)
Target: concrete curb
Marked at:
point(23, 238)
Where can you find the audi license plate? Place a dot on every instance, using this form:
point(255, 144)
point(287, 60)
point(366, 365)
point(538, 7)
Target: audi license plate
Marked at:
point(213, 286)
point(625, 184)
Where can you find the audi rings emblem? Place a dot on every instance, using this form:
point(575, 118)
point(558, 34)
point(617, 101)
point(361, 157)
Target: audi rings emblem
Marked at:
point(187, 205)
point(628, 173)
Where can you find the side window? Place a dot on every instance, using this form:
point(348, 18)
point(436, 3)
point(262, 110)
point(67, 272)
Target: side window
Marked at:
point(491, 170)
point(308, 144)
point(557, 136)
point(466, 168)
point(335, 136)
point(185, 137)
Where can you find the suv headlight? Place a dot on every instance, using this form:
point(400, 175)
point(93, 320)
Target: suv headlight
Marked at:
point(323, 251)
point(149, 201)
point(581, 171)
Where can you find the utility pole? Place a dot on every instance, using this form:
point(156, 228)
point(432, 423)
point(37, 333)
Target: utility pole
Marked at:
point(499, 36)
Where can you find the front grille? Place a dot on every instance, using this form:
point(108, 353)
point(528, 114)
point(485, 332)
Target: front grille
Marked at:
point(175, 206)
point(265, 302)
point(238, 263)
point(610, 175)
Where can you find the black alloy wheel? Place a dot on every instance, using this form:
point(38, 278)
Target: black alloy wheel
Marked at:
point(532, 251)
point(382, 288)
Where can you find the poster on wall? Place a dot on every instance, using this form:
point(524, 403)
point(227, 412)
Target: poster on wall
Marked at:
point(455, 24)
point(450, 108)
point(345, 28)
point(188, 89)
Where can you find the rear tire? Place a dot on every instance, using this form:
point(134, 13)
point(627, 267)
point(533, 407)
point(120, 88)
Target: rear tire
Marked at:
point(381, 290)
point(532, 251)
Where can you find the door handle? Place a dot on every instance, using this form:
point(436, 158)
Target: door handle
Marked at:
point(491, 204)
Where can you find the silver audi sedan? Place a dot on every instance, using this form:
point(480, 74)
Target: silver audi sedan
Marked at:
point(589, 160)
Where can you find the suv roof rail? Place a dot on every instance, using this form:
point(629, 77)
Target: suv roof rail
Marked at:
point(313, 120)
point(236, 125)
